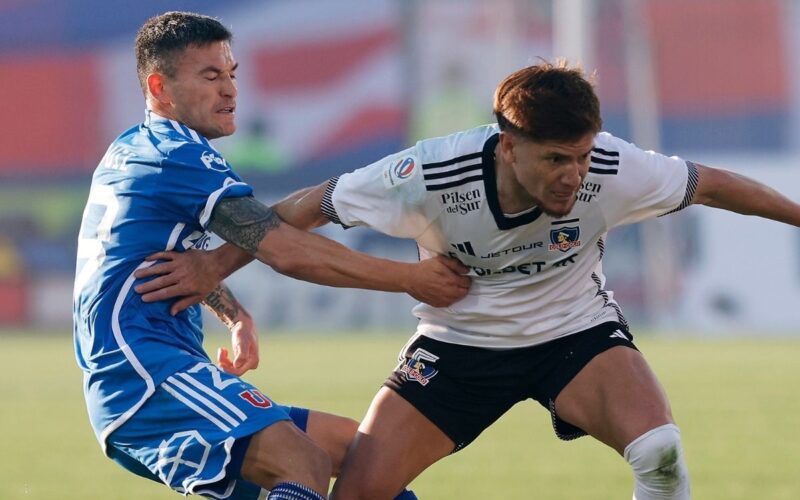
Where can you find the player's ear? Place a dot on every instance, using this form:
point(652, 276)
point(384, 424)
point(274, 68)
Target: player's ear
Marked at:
point(156, 88)
point(507, 148)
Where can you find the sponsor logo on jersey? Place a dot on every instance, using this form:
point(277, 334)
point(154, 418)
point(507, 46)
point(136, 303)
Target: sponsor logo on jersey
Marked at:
point(526, 268)
point(461, 202)
point(512, 250)
point(564, 238)
point(198, 240)
point(214, 162)
point(418, 367)
point(588, 191)
point(399, 171)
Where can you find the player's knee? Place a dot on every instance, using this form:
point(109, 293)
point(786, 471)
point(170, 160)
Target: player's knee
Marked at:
point(656, 458)
point(309, 461)
point(300, 461)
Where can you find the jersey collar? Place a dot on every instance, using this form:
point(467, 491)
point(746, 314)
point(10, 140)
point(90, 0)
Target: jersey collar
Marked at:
point(503, 221)
point(153, 120)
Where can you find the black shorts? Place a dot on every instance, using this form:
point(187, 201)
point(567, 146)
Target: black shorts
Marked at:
point(464, 389)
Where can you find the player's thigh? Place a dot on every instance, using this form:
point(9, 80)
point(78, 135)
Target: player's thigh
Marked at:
point(615, 398)
point(394, 444)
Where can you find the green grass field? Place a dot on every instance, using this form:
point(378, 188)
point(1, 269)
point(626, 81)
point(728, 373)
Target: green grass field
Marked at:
point(736, 401)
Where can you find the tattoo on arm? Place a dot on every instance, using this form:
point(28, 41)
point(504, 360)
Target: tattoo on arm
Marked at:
point(243, 222)
point(222, 303)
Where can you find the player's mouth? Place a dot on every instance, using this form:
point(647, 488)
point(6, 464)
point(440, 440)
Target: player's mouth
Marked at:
point(227, 110)
point(563, 195)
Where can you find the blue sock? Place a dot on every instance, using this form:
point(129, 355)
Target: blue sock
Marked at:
point(293, 491)
point(406, 495)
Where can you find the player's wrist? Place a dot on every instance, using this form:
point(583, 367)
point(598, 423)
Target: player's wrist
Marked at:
point(226, 259)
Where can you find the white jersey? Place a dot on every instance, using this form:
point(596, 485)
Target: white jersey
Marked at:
point(534, 277)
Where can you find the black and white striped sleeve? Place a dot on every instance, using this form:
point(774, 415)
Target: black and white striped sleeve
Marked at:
point(691, 187)
point(326, 205)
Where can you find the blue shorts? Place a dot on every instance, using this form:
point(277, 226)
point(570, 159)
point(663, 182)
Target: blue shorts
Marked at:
point(193, 432)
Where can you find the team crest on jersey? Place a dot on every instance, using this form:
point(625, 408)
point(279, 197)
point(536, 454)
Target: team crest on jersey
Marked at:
point(214, 162)
point(399, 171)
point(418, 367)
point(564, 238)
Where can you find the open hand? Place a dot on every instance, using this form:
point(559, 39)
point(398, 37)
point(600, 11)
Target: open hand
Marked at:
point(188, 275)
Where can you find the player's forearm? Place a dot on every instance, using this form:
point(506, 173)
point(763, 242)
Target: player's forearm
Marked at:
point(225, 306)
point(302, 209)
point(737, 193)
point(313, 258)
point(259, 231)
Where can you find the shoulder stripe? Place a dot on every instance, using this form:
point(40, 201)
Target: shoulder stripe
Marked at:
point(600, 165)
point(604, 171)
point(452, 173)
point(603, 161)
point(458, 182)
point(605, 152)
point(452, 161)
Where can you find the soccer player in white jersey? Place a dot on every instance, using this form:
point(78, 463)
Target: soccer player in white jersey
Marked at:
point(525, 204)
point(158, 405)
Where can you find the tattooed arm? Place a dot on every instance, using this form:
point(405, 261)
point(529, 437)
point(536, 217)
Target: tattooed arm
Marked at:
point(244, 338)
point(257, 229)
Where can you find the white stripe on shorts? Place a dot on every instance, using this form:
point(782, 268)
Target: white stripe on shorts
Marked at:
point(204, 401)
point(236, 411)
point(191, 404)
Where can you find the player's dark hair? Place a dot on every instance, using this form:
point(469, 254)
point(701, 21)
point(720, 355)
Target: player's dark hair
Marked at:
point(161, 39)
point(547, 102)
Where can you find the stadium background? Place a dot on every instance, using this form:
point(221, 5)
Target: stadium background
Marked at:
point(327, 86)
point(323, 91)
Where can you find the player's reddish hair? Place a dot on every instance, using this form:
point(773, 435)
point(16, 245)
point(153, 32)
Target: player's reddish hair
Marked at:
point(547, 102)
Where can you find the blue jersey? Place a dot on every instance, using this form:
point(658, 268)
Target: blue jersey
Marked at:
point(154, 190)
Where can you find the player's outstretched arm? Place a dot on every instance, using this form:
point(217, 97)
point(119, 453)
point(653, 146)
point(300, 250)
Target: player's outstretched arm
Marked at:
point(192, 275)
point(730, 191)
point(258, 230)
point(244, 338)
point(303, 209)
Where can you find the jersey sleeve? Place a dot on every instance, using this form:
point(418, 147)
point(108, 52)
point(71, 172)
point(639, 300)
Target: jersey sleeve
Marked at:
point(194, 179)
point(388, 196)
point(646, 184)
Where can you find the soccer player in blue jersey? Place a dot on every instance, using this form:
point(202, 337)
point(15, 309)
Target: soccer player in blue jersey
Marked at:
point(158, 405)
point(526, 203)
